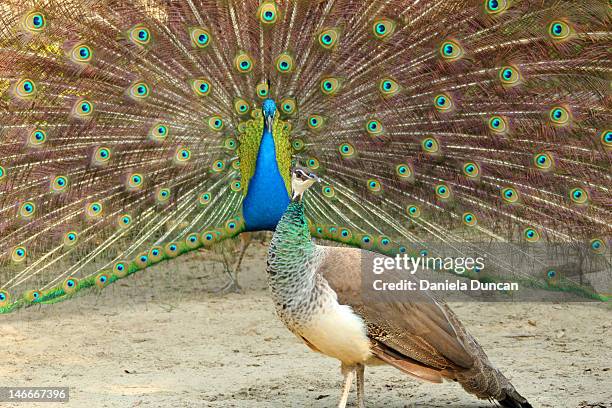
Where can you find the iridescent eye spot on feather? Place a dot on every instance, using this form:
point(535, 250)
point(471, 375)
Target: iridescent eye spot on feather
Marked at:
point(218, 166)
point(559, 116)
point(70, 285)
point(70, 239)
point(328, 191)
point(101, 156)
point(231, 226)
point(268, 12)
point(2, 173)
point(243, 63)
point(215, 123)
point(509, 76)
point(414, 211)
point(531, 234)
point(374, 185)
point(443, 191)
point(451, 50)
point(162, 195)
point(25, 89)
point(156, 254)
point(204, 198)
point(346, 150)
point(262, 90)
point(384, 242)
point(430, 145)
point(120, 269)
point(551, 274)
point(579, 196)
point(236, 186)
point(139, 90)
point(509, 195)
point(388, 87)
point(192, 240)
point(597, 245)
point(443, 102)
point(605, 138)
point(182, 155)
point(494, 7)
point(83, 109)
point(559, 30)
point(59, 184)
point(469, 219)
point(135, 181)
point(4, 298)
point(543, 161)
point(383, 28)
point(374, 127)
point(230, 143)
point(102, 280)
point(330, 86)
point(312, 163)
point(345, 235)
point(288, 106)
point(315, 122)
point(142, 260)
point(34, 21)
point(201, 87)
point(284, 63)
point(498, 124)
point(37, 137)
point(236, 164)
point(27, 210)
point(329, 38)
point(471, 170)
point(81, 53)
point(32, 296)
point(140, 35)
point(159, 132)
point(403, 171)
point(19, 254)
point(298, 145)
point(366, 241)
point(124, 221)
point(200, 37)
point(93, 210)
point(241, 107)
point(171, 249)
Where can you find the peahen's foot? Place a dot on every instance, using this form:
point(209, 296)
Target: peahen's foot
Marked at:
point(349, 373)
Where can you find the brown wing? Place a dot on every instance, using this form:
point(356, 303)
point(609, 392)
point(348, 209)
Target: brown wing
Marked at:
point(418, 329)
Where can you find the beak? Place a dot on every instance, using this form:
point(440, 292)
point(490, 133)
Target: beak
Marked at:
point(318, 179)
point(269, 121)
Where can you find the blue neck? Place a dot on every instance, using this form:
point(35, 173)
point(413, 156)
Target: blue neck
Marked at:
point(267, 196)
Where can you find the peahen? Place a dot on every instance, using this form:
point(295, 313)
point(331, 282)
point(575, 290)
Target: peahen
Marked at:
point(134, 131)
point(319, 295)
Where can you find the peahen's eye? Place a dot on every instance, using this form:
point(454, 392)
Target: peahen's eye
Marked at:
point(559, 30)
point(471, 169)
point(383, 28)
point(388, 87)
point(509, 76)
point(284, 63)
point(559, 116)
point(346, 150)
point(200, 37)
point(509, 194)
point(329, 38)
point(330, 86)
point(498, 124)
point(496, 6)
point(469, 219)
point(430, 145)
point(443, 102)
point(201, 87)
point(268, 12)
point(243, 63)
point(451, 50)
point(543, 161)
point(34, 21)
point(140, 35)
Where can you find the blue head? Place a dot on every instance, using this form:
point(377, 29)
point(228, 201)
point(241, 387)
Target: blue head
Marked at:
point(269, 110)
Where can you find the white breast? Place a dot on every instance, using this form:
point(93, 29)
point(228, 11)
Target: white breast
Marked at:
point(335, 330)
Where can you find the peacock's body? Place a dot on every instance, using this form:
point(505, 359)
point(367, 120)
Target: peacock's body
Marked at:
point(132, 132)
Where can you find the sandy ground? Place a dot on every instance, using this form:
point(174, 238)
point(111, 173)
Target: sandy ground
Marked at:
point(162, 339)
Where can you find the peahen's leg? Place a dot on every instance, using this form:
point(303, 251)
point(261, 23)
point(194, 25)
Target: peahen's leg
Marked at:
point(348, 372)
point(360, 385)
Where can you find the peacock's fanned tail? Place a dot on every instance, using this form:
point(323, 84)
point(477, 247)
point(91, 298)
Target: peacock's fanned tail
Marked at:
point(128, 131)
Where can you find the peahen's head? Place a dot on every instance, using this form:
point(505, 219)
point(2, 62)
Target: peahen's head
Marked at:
point(269, 111)
point(301, 180)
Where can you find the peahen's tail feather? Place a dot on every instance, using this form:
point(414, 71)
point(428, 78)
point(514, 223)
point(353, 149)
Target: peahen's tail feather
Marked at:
point(124, 129)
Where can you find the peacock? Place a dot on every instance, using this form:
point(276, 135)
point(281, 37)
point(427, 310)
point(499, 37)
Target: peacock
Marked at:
point(319, 294)
point(134, 131)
